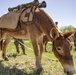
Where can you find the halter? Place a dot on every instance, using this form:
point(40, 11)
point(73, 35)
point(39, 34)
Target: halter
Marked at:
point(62, 57)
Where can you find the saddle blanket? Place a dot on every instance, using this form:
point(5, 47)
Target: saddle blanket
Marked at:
point(9, 20)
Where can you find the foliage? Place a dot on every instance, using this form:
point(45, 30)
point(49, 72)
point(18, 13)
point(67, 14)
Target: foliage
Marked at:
point(67, 28)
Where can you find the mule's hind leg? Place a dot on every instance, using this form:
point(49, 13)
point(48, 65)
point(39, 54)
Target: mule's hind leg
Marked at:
point(45, 46)
point(5, 43)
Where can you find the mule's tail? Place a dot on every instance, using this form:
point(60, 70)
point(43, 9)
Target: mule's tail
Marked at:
point(1, 44)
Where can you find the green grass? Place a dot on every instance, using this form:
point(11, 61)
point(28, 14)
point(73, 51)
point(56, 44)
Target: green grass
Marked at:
point(20, 64)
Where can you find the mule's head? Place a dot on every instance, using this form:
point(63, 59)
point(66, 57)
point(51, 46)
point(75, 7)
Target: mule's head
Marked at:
point(61, 48)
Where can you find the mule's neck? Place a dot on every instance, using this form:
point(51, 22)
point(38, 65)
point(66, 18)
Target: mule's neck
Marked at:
point(45, 22)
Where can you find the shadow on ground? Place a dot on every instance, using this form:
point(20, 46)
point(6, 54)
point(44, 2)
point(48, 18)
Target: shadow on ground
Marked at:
point(5, 70)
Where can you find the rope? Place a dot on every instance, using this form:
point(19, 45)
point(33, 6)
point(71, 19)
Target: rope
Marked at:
point(24, 45)
point(32, 50)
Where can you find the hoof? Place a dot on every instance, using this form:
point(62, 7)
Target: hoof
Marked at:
point(25, 54)
point(39, 71)
point(6, 59)
point(18, 52)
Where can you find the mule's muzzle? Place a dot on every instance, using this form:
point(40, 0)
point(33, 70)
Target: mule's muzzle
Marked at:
point(69, 72)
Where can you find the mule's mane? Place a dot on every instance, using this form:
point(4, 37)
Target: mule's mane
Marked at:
point(45, 19)
point(46, 22)
point(48, 17)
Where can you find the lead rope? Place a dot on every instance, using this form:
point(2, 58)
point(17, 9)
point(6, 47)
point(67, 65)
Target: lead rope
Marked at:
point(24, 45)
point(32, 50)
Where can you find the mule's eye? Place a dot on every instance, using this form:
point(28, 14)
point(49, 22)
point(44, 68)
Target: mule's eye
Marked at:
point(58, 48)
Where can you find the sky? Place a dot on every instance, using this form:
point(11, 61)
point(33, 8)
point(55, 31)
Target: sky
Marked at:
point(62, 11)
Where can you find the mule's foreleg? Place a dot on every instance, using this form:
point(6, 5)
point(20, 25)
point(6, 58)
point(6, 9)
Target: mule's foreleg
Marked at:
point(36, 52)
point(5, 44)
point(40, 42)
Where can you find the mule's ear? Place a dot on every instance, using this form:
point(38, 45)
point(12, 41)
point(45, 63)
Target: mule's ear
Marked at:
point(54, 33)
point(68, 34)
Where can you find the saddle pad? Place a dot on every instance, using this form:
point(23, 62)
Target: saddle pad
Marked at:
point(9, 20)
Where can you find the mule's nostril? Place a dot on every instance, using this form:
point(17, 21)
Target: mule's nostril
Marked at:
point(68, 73)
point(69, 70)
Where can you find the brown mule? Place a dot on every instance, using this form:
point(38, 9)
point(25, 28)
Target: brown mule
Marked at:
point(43, 24)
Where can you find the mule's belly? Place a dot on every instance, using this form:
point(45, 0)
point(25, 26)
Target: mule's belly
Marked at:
point(22, 34)
point(26, 32)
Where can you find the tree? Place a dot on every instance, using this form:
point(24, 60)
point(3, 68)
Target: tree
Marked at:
point(67, 28)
